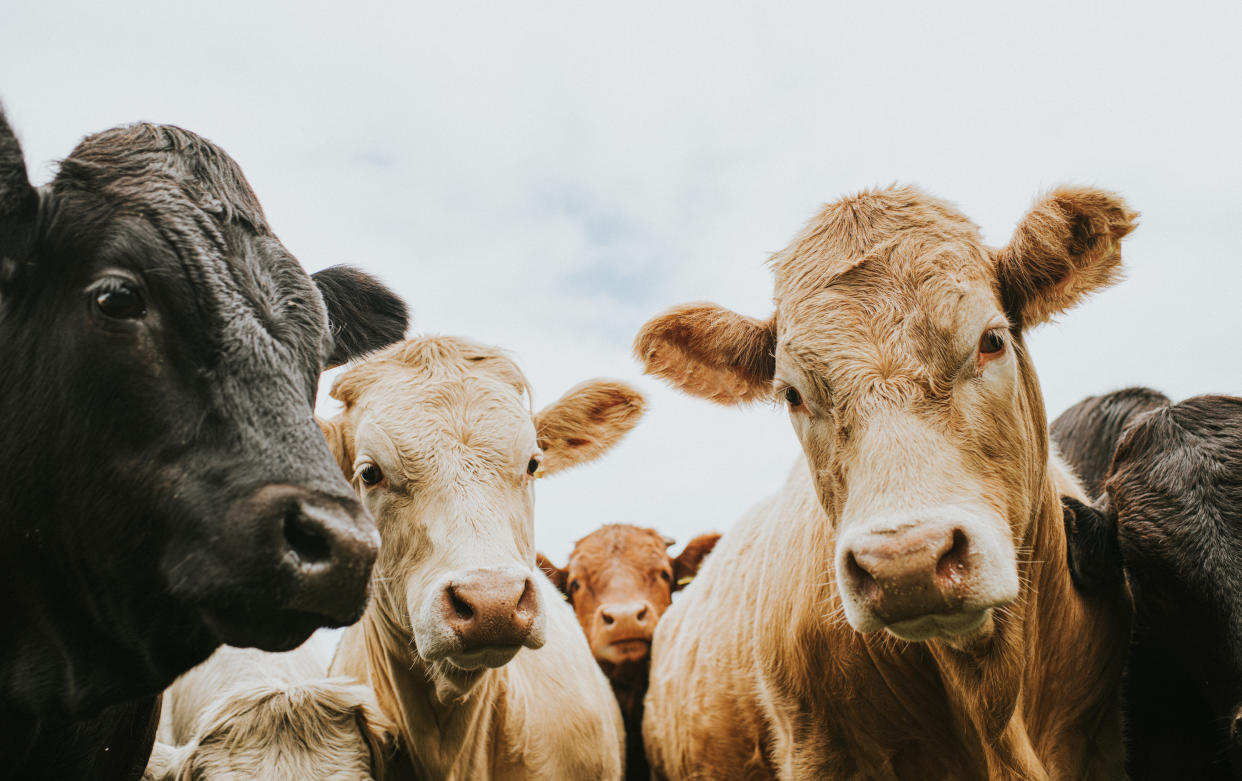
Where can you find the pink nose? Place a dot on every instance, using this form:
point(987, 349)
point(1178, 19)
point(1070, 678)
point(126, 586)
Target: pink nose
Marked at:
point(916, 572)
point(627, 621)
point(490, 609)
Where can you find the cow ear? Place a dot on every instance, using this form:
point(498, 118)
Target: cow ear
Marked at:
point(363, 314)
point(1092, 547)
point(711, 352)
point(558, 576)
point(19, 205)
point(586, 422)
point(687, 563)
point(1067, 246)
point(339, 442)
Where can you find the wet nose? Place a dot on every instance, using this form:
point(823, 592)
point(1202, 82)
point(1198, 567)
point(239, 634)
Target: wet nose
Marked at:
point(633, 619)
point(487, 609)
point(325, 546)
point(910, 573)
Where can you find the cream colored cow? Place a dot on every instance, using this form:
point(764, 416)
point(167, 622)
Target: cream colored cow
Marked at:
point(469, 648)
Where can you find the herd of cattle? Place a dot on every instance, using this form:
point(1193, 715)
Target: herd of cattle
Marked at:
point(939, 591)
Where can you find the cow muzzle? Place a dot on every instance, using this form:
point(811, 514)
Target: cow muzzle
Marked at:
point(925, 579)
point(482, 618)
point(623, 631)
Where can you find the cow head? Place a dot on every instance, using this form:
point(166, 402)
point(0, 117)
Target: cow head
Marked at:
point(166, 488)
point(897, 345)
point(620, 579)
point(438, 437)
point(1174, 493)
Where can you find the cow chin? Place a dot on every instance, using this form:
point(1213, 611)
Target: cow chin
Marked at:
point(623, 651)
point(280, 630)
point(957, 627)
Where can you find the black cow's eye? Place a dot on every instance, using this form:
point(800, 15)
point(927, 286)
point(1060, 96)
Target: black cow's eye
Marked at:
point(665, 576)
point(370, 474)
point(534, 467)
point(992, 341)
point(119, 299)
point(573, 587)
point(792, 397)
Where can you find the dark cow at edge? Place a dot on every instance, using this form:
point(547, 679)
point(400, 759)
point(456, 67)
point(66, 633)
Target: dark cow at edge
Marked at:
point(620, 579)
point(166, 488)
point(1173, 497)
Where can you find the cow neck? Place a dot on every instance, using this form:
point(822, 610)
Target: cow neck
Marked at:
point(629, 682)
point(447, 721)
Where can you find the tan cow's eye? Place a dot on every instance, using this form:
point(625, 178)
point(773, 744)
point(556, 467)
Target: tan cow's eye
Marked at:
point(573, 587)
point(992, 343)
point(793, 398)
point(666, 576)
point(370, 474)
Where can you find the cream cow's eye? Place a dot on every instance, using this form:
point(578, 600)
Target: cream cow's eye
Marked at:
point(370, 474)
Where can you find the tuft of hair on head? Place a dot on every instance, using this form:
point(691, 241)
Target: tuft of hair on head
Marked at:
point(356, 298)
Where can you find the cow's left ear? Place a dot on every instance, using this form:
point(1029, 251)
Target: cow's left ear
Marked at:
point(19, 206)
point(1092, 547)
point(586, 422)
point(363, 314)
point(558, 576)
point(1067, 246)
point(687, 563)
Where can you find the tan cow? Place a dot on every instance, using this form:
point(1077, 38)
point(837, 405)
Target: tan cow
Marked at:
point(620, 579)
point(902, 608)
point(245, 713)
point(470, 650)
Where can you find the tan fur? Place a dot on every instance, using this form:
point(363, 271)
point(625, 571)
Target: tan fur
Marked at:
point(249, 714)
point(880, 304)
point(450, 424)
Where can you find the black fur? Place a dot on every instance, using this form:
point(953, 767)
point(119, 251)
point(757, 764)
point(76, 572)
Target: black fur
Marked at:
point(1087, 432)
point(351, 297)
point(138, 530)
point(1174, 494)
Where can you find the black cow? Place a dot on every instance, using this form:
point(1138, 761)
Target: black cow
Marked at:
point(164, 487)
point(1173, 497)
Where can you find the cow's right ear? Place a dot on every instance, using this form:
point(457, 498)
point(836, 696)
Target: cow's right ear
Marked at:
point(19, 206)
point(363, 314)
point(687, 563)
point(1092, 547)
point(708, 351)
point(558, 576)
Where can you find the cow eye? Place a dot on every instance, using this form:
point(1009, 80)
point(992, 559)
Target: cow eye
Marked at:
point(665, 576)
point(119, 299)
point(573, 587)
point(370, 474)
point(992, 342)
point(534, 467)
point(793, 398)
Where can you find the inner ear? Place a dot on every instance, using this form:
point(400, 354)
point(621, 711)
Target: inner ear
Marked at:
point(712, 352)
point(1093, 550)
point(1066, 247)
point(588, 421)
point(363, 314)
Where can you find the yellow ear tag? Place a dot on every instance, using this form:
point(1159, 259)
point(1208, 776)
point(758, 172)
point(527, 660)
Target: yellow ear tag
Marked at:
point(538, 472)
point(685, 581)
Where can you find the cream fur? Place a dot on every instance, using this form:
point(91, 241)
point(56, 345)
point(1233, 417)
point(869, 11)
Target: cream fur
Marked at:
point(449, 424)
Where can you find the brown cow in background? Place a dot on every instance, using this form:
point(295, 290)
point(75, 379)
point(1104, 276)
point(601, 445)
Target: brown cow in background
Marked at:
point(620, 579)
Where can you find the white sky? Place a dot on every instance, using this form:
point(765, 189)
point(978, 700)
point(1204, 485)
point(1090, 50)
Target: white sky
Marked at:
point(546, 176)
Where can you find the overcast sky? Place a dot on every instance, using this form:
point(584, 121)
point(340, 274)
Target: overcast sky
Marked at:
point(547, 176)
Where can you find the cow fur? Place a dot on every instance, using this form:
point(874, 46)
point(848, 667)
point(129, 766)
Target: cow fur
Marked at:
point(758, 671)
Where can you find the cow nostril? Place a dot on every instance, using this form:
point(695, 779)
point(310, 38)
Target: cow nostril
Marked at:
point(607, 618)
point(864, 581)
point(642, 614)
point(952, 565)
point(304, 539)
point(460, 606)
